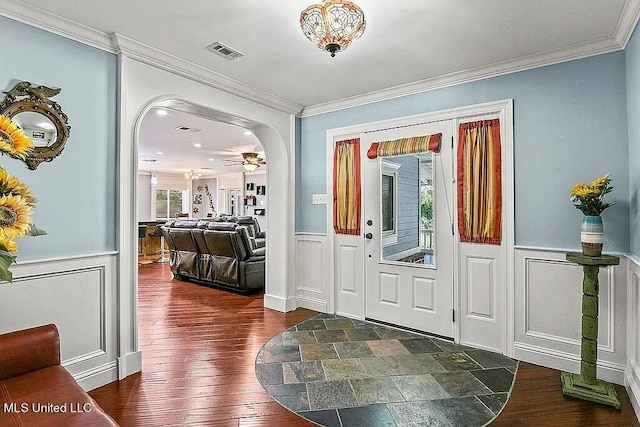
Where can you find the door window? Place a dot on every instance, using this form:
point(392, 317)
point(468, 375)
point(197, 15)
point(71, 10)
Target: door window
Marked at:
point(407, 209)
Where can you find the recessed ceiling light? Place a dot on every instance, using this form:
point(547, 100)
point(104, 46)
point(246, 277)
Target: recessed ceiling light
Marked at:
point(248, 132)
point(211, 160)
point(197, 145)
point(162, 112)
point(159, 152)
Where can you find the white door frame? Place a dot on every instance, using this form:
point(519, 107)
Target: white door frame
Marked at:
point(504, 111)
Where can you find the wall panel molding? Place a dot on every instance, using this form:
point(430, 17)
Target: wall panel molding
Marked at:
point(78, 295)
point(311, 279)
point(547, 327)
point(632, 372)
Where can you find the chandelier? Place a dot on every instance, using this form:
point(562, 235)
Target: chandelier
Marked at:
point(250, 167)
point(332, 25)
point(192, 175)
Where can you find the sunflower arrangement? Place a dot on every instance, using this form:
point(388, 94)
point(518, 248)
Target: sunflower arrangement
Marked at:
point(16, 200)
point(589, 198)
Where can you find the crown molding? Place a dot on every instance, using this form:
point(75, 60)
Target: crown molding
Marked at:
point(627, 22)
point(494, 70)
point(155, 57)
point(119, 44)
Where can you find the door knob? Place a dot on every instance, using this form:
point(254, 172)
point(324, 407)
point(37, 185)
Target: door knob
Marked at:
point(368, 236)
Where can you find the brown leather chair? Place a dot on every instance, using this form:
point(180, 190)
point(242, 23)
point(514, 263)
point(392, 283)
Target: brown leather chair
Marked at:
point(31, 374)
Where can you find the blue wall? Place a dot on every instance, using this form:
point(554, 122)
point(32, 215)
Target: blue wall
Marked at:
point(77, 191)
point(570, 125)
point(633, 110)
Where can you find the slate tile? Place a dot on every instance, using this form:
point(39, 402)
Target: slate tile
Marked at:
point(488, 359)
point(419, 387)
point(499, 380)
point(284, 353)
point(450, 346)
point(390, 334)
point(298, 337)
point(269, 374)
point(376, 390)
point(415, 364)
point(362, 334)
point(385, 347)
point(347, 350)
point(318, 351)
point(331, 394)
point(464, 412)
point(311, 325)
point(331, 336)
point(460, 384)
point(339, 323)
point(323, 316)
point(366, 416)
point(418, 414)
point(342, 369)
point(456, 361)
point(495, 402)
point(326, 418)
point(302, 372)
point(420, 345)
point(291, 396)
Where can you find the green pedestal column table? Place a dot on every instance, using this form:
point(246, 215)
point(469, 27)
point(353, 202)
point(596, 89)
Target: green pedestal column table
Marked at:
point(585, 385)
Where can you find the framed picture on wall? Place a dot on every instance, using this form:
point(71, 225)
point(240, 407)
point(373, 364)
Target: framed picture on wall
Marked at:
point(197, 199)
point(262, 190)
point(250, 186)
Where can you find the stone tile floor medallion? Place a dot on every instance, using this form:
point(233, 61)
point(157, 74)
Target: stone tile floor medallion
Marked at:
point(339, 372)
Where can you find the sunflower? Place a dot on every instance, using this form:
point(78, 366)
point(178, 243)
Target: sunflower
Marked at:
point(12, 139)
point(15, 216)
point(12, 185)
point(9, 245)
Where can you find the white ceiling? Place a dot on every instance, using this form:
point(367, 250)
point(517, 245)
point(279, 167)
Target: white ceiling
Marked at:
point(406, 41)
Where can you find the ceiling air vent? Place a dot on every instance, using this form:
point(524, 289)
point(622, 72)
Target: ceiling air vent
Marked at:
point(224, 51)
point(187, 129)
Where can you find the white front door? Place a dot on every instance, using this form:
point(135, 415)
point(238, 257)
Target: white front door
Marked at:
point(408, 229)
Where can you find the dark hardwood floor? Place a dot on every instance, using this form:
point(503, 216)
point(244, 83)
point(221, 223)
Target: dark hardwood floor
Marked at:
point(199, 347)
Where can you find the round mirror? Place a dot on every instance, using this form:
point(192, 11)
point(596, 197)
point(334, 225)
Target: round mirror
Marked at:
point(38, 127)
point(40, 118)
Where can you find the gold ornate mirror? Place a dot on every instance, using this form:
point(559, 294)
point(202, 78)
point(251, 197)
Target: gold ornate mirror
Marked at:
point(40, 118)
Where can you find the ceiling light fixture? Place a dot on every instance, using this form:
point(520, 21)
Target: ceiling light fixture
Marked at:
point(250, 167)
point(332, 25)
point(192, 175)
point(162, 112)
point(197, 145)
point(154, 180)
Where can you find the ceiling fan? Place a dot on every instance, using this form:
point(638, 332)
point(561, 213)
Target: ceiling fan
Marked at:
point(250, 160)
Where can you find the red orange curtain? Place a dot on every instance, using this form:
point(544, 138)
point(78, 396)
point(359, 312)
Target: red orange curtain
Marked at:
point(346, 187)
point(479, 182)
point(400, 147)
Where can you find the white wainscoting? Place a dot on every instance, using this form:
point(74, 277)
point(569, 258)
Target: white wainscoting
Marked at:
point(312, 271)
point(632, 373)
point(79, 296)
point(548, 311)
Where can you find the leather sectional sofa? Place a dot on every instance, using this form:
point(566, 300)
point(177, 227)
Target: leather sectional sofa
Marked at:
point(221, 254)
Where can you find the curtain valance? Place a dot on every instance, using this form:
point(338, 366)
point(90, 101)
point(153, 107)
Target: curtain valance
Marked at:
point(403, 146)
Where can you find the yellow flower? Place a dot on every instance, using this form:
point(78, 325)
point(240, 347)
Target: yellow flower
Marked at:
point(601, 182)
point(12, 185)
point(577, 190)
point(15, 216)
point(9, 245)
point(12, 139)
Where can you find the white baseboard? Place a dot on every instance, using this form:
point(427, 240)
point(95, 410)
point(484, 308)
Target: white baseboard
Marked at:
point(632, 384)
point(129, 364)
point(98, 376)
point(608, 371)
point(279, 303)
point(312, 304)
